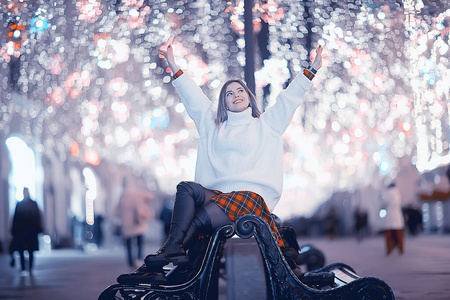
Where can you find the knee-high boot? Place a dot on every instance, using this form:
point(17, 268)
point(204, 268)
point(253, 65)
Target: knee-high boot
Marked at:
point(189, 196)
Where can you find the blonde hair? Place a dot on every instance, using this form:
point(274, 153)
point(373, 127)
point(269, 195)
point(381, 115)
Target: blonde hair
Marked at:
point(222, 114)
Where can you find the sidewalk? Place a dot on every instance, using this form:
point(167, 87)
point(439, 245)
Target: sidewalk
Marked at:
point(423, 272)
point(63, 274)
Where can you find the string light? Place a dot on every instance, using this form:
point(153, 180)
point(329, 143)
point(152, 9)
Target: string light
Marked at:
point(92, 82)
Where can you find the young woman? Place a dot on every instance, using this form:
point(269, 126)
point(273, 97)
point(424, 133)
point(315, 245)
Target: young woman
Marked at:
point(240, 158)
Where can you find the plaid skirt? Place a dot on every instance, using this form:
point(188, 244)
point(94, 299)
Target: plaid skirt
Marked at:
point(236, 204)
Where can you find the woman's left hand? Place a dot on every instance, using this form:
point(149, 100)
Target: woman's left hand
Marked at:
point(317, 63)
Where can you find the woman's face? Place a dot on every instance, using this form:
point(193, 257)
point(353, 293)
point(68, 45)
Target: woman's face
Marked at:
point(236, 97)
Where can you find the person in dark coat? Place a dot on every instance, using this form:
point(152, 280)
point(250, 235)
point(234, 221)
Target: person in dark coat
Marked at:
point(26, 226)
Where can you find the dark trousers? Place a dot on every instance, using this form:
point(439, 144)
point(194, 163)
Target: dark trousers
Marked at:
point(193, 210)
point(129, 244)
point(23, 261)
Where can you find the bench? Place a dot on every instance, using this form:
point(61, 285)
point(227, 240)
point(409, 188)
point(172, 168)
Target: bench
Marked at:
point(281, 282)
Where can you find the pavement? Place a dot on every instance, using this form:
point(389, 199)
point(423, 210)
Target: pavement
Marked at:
point(422, 272)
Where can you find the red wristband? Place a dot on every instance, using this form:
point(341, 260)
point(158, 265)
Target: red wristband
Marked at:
point(177, 74)
point(308, 74)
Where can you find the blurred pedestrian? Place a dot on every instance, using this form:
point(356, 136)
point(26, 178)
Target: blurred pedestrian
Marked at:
point(331, 223)
point(26, 226)
point(135, 213)
point(413, 219)
point(360, 219)
point(98, 229)
point(166, 215)
point(394, 221)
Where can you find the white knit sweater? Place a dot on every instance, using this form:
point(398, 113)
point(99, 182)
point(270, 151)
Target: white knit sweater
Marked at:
point(243, 153)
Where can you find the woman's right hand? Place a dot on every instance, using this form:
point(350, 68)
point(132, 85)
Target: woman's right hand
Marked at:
point(317, 63)
point(169, 57)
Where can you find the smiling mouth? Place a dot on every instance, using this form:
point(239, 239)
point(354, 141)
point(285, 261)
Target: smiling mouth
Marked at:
point(237, 101)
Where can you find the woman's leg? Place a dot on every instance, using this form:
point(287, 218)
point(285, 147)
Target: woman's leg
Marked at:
point(12, 263)
point(22, 260)
point(128, 243)
point(400, 240)
point(207, 219)
point(30, 260)
point(389, 241)
point(139, 239)
point(189, 196)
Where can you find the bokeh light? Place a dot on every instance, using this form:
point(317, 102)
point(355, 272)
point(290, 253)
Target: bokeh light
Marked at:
point(91, 83)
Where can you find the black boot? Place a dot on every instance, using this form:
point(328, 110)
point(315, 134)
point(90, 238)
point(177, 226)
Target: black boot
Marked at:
point(143, 275)
point(189, 196)
point(170, 252)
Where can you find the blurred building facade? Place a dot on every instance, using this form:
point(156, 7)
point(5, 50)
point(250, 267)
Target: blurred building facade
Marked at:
point(85, 100)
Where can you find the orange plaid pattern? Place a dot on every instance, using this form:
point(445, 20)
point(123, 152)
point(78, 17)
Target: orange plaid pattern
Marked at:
point(236, 204)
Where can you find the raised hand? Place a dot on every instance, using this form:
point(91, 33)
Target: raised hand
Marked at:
point(168, 55)
point(317, 63)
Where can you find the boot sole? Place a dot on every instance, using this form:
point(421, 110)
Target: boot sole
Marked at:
point(135, 278)
point(153, 262)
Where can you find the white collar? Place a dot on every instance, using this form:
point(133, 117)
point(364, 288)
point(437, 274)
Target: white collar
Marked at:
point(240, 118)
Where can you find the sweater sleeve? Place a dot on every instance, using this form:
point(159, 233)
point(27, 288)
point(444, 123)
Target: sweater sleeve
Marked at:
point(279, 116)
point(197, 104)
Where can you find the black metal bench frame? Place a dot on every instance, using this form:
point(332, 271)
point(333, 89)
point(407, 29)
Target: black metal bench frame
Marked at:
point(281, 282)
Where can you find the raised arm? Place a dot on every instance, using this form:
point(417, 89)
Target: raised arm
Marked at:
point(195, 101)
point(280, 114)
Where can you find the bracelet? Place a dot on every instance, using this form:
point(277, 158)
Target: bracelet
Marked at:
point(310, 75)
point(177, 74)
point(312, 70)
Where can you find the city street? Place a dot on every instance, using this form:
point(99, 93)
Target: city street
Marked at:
point(422, 272)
